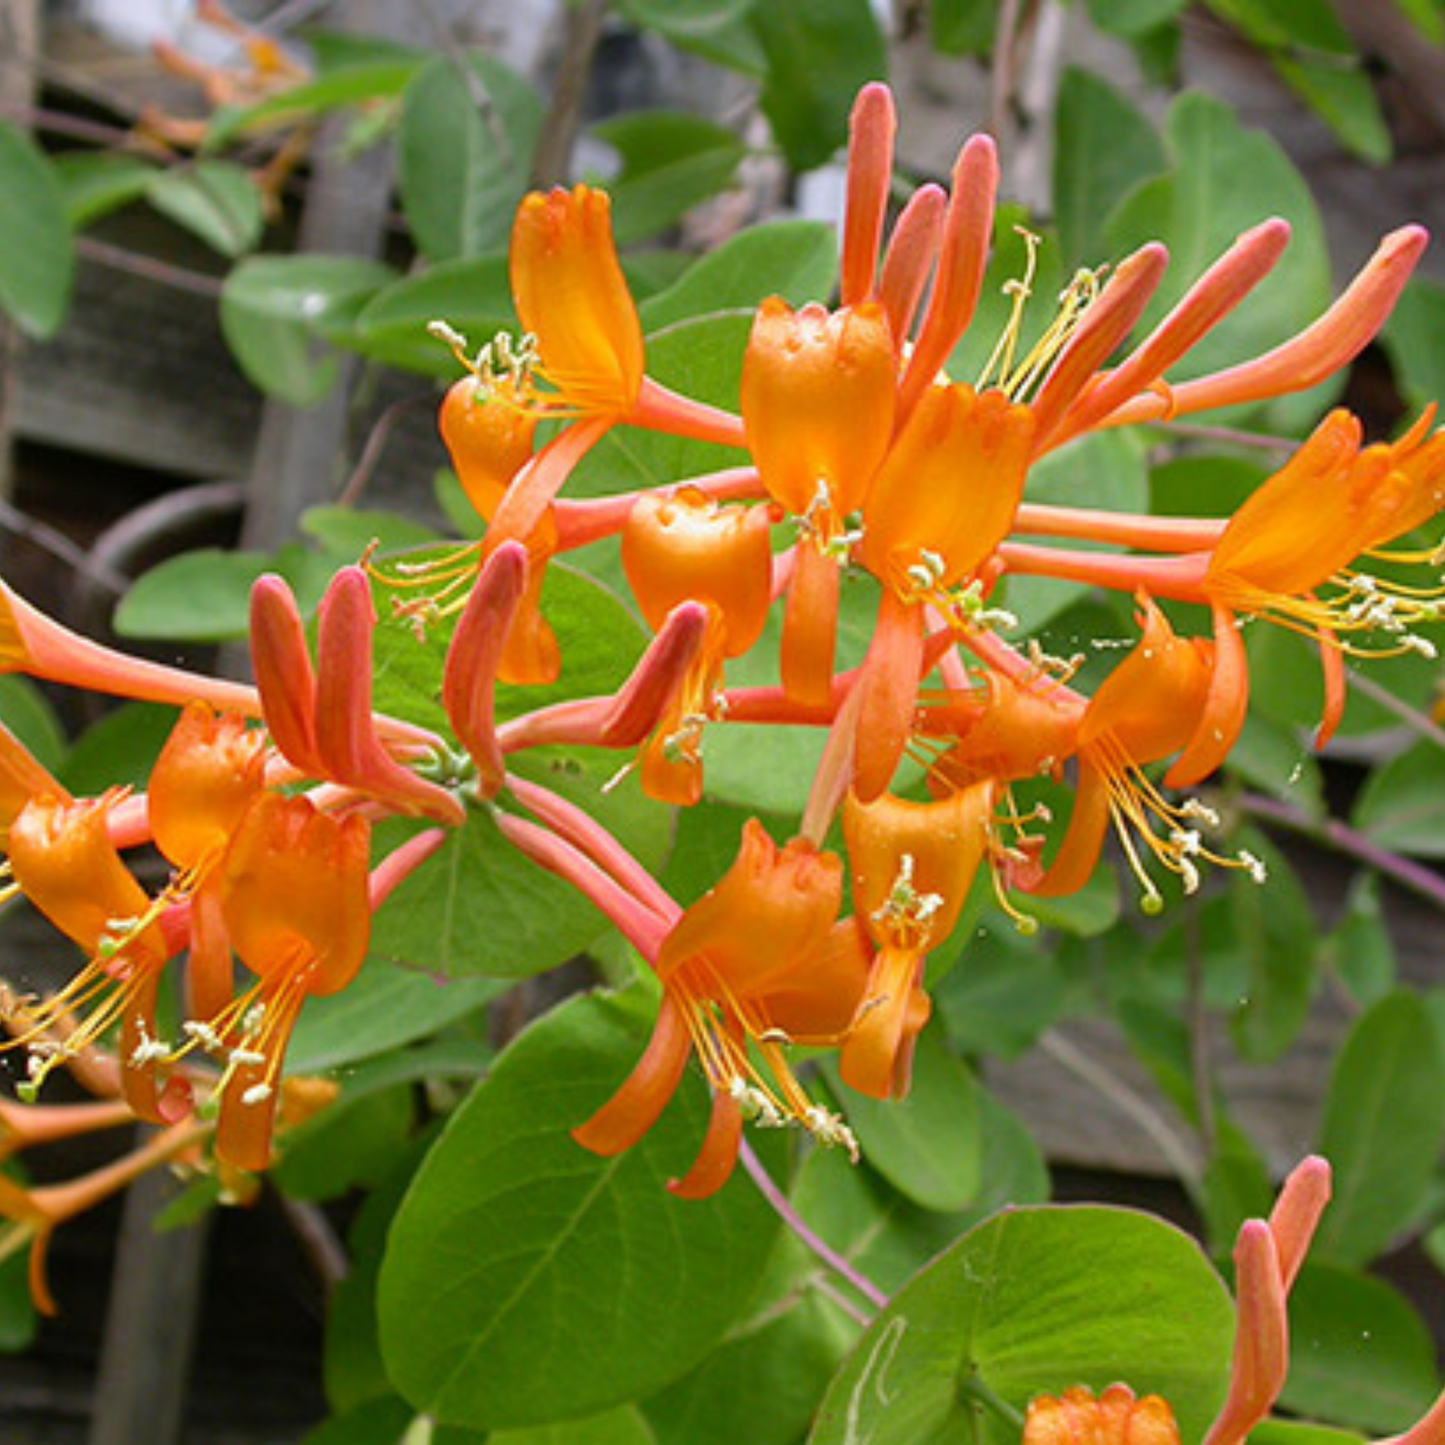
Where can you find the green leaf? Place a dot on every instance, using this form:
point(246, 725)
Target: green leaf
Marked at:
point(700, 357)
point(604, 642)
point(1226, 179)
point(120, 749)
point(1133, 17)
point(1105, 470)
point(1383, 1123)
point(715, 29)
point(204, 596)
point(349, 1145)
point(464, 152)
point(352, 1366)
point(1402, 805)
point(381, 1009)
point(671, 161)
point(1360, 950)
point(819, 52)
point(623, 1426)
point(797, 260)
point(473, 296)
point(480, 907)
point(1297, 1432)
point(27, 712)
point(1344, 98)
point(1427, 16)
point(1103, 148)
point(275, 309)
point(350, 531)
point(963, 27)
point(216, 201)
point(761, 1385)
point(1361, 1355)
point(37, 252)
point(1035, 1301)
point(95, 183)
point(1002, 994)
point(377, 1422)
point(364, 79)
point(1280, 938)
point(553, 1283)
point(1412, 339)
point(18, 1319)
point(925, 1145)
point(1315, 56)
point(1273, 759)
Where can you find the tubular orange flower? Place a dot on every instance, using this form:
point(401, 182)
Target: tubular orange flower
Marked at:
point(65, 863)
point(682, 547)
point(298, 912)
point(572, 297)
point(33, 1215)
point(209, 772)
point(912, 866)
point(1116, 1417)
point(488, 432)
point(757, 959)
point(1146, 709)
point(323, 721)
point(817, 404)
point(1303, 528)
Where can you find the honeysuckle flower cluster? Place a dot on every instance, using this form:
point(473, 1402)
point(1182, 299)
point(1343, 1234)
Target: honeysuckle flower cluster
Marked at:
point(856, 453)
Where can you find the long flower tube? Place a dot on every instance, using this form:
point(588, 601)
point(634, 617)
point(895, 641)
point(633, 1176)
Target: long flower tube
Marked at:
point(298, 912)
point(1321, 350)
point(33, 1215)
point(1145, 710)
point(912, 867)
point(626, 717)
point(757, 959)
point(474, 657)
point(63, 861)
point(322, 719)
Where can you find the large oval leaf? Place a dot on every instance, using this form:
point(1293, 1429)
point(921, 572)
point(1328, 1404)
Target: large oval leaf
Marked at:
point(464, 151)
point(1033, 1302)
point(527, 1280)
point(37, 255)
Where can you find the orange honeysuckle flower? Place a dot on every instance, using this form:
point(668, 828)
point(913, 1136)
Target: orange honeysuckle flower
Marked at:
point(37, 645)
point(31, 1216)
point(488, 432)
point(817, 403)
point(581, 322)
point(297, 910)
point(22, 777)
point(31, 1126)
point(1115, 1417)
point(210, 770)
point(681, 546)
point(912, 866)
point(758, 959)
point(322, 720)
point(1302, 529)
point(942, 502)
point(1145, 710)
point(1005, 729)
point(572, 298)
point(64, 862)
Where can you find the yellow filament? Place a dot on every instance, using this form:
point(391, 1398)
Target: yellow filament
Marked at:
point(1016, 379)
